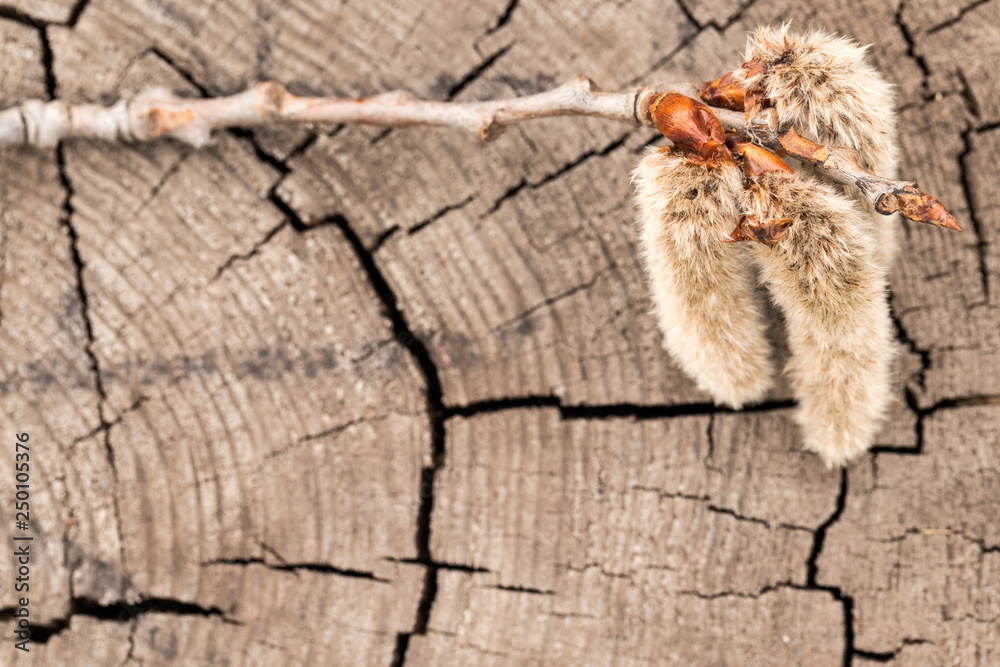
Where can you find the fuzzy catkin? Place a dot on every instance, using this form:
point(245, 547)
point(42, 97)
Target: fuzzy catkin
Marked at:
point(702, 288)
point(825, 276)
point(821, 85)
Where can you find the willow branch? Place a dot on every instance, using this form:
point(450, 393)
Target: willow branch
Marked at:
point(159, 113)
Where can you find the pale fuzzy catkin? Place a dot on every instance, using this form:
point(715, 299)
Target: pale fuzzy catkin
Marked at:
point(825, 277)
point(822, 85)
point(702, 288)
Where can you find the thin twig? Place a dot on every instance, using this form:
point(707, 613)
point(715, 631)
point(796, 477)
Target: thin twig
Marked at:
point(840, 164)
point(159, 113)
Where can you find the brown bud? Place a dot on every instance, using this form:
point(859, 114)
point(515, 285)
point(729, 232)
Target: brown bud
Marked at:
point(723, 92)
point(767, 232)
point(691, 126)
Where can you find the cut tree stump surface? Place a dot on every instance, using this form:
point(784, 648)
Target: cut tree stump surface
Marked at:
point(393, 397)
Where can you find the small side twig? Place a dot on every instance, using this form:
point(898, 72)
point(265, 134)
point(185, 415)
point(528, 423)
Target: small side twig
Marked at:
point(159, 113)
point(840, 165)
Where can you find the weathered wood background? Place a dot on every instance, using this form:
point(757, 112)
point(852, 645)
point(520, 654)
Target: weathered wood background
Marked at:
point(370, 397)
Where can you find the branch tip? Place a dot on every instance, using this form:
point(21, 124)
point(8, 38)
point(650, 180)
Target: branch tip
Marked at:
point(916, 205)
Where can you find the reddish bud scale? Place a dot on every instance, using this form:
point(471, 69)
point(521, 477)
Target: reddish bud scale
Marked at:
point(691, 126)
point(723, 92)
point(799, 146)
point(734, 141)
point(767, 232)
point(917, 205)
point(754, 99)
point(757, 160)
